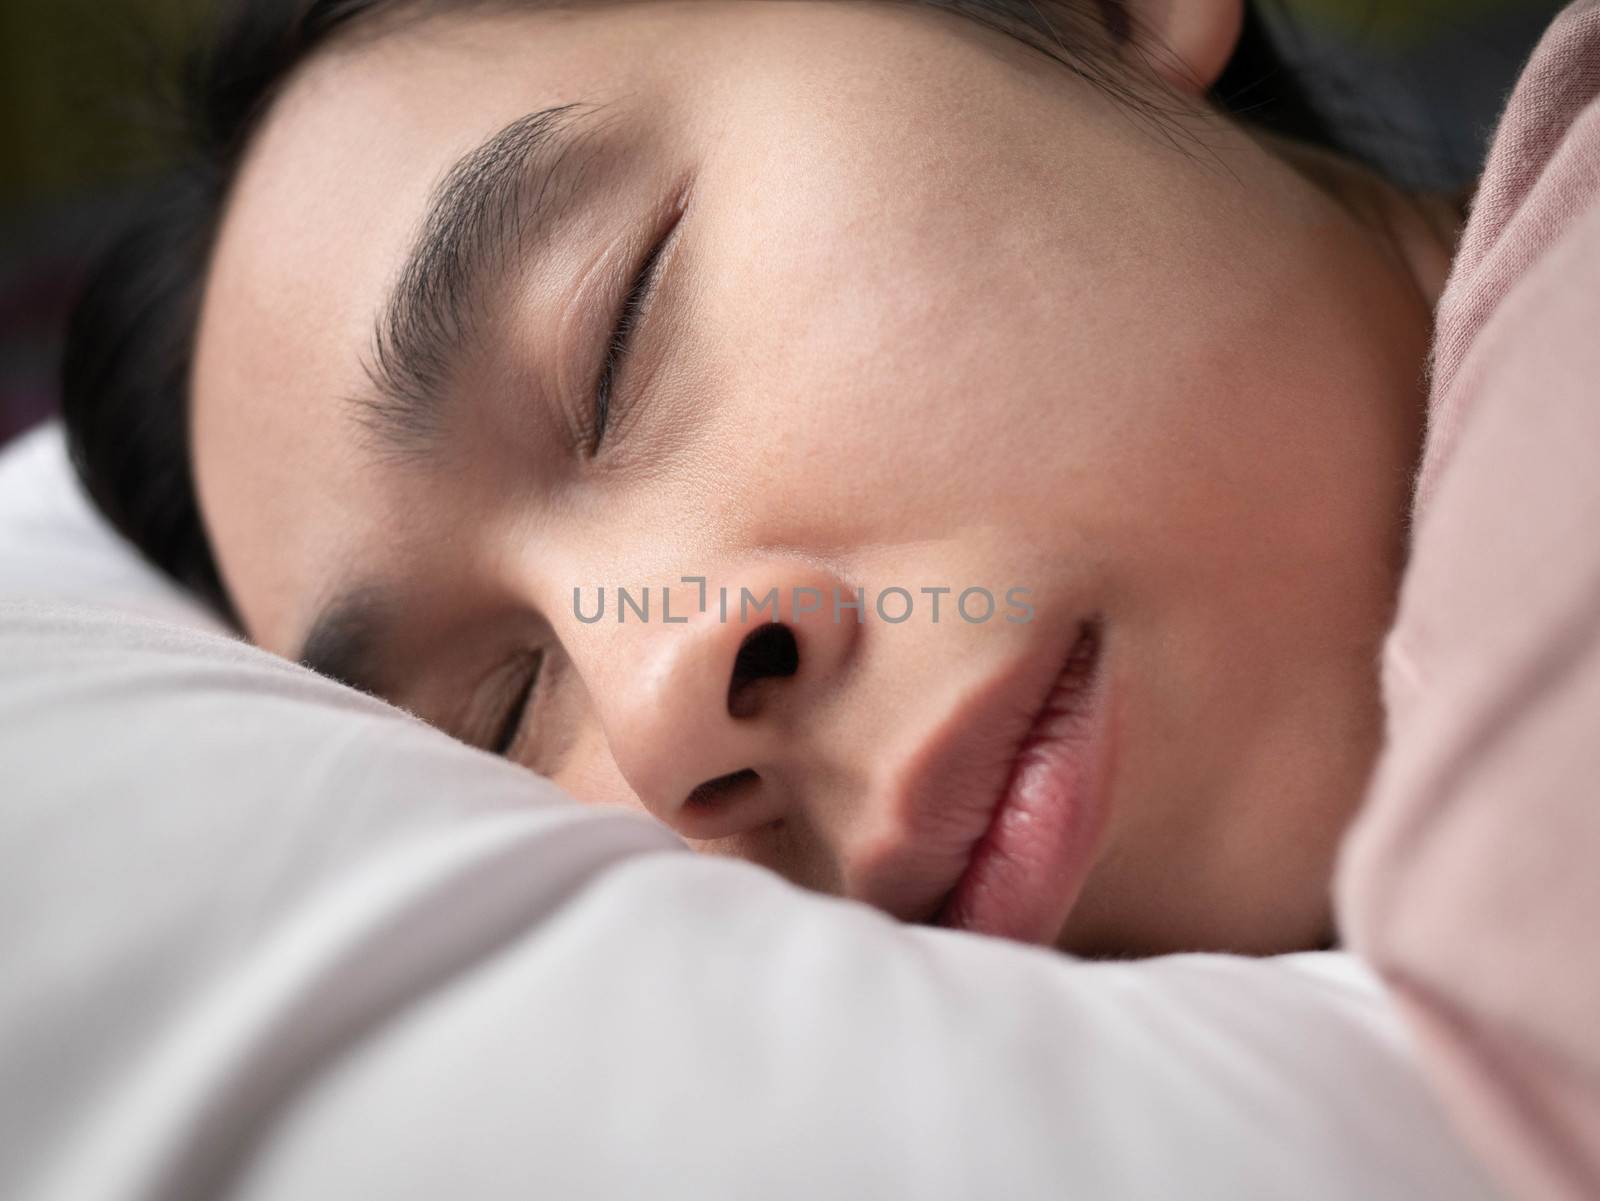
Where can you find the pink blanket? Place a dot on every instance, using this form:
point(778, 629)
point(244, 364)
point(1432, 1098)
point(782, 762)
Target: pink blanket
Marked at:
point(1472, 878)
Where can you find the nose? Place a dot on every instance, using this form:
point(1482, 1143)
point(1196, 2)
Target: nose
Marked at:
point(712, 699)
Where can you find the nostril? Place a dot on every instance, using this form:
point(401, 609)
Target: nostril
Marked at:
point(714, 794)
point(767, 653)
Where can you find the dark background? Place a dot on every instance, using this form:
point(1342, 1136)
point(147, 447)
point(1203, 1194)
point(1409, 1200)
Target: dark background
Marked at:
point(81, 126)
point(1412, 85)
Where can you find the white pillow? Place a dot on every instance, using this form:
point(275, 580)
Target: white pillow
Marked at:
point(53, 544)
point(264, 937)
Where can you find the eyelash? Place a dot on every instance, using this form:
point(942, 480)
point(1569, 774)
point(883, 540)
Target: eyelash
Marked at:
point(628, 317)
point(511, 724)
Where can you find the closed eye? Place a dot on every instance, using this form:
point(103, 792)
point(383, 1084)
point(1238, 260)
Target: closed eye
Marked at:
point(629, 315)
point(510, 727)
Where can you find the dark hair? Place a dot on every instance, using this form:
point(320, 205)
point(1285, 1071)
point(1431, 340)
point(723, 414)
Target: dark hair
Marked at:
point(130, 338)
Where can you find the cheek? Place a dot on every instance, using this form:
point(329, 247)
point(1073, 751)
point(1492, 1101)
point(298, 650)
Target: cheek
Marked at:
point(589, 772)
point(883, 354)
point(849, 358)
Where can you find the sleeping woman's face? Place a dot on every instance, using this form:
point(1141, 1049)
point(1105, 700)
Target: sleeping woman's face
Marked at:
point(518, 307)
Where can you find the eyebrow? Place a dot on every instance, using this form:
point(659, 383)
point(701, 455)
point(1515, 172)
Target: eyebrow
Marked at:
point(344, 638)
point(489, 209)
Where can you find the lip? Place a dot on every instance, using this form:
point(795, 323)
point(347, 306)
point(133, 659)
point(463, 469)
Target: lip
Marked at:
point(1029, 864)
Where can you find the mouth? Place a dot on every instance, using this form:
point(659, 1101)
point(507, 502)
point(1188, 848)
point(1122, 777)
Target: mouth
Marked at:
point(1028, 867)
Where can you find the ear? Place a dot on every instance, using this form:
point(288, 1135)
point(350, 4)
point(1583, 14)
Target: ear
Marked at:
point(1187, 42)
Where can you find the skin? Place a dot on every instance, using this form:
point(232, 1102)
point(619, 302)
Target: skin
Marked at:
point(936, 312)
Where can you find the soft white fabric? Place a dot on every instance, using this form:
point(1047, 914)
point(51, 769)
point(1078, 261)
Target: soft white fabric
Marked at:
point(263, 937)
point(54, 545)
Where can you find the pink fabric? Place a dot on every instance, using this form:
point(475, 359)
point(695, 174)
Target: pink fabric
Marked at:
point(1472, 877)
